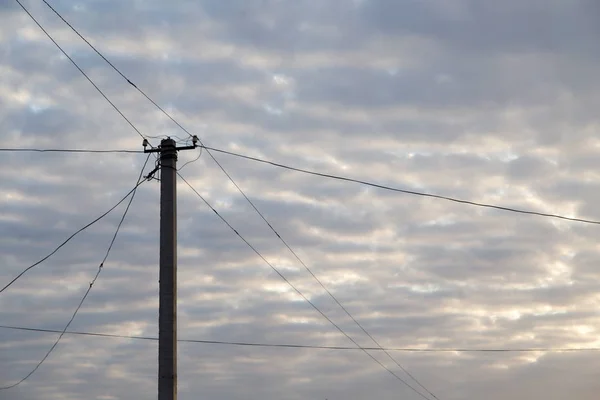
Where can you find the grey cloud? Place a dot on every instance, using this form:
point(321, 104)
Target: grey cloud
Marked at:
point(435, 98)
point(284, 27)
point(492, 26)
point(8, 5)
point(529, 168)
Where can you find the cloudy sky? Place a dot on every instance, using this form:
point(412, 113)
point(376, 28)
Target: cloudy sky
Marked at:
point(491, 101)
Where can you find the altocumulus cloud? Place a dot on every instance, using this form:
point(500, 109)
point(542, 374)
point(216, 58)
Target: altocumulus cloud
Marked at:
point(483, 100)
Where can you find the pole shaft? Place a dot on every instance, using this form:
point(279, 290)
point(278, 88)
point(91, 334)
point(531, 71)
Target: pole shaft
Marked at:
point(167, 315)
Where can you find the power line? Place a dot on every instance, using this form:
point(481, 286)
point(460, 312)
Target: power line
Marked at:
point(191, 161)
point(329, 176)
point(231, 179)
point(113, 66)
point(252, 204)
point(68, 151)
point(298, 291)
point(315, 347)
point(168, 115)
point(87, 292)
point(240, 190)
point(405, 191)
point(266, 221)
point(209, 149)
point(309, 172)
point(335, 299)
point(177, 138)
point(411, 192)
point(79, 68)
point(315, 173)
point(362, 328)
point(69, 238)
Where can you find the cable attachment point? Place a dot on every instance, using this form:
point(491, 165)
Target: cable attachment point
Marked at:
point(151, 173)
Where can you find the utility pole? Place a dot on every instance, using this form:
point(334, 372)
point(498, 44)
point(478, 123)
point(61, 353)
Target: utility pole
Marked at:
point(167, 313)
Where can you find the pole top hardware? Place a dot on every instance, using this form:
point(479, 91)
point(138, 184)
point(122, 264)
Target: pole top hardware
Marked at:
point(158, 149)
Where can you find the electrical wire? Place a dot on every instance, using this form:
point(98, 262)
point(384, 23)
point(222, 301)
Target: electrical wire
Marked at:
point(269, 224)
point(320, 283)
point(334, 298)
point(330, 176)
point(178, 139)
point(118, 71)
point(129, 81)
point(411, 192)
point(191, 161)
point(315, 173)
point(68, 151)
point(69, 239)
point(209, 149)
point(315, 347)
point(87, 292)
point(115, 68)
point(80, 70)
point(263, 217)
point(225, 172)
point(299, 292)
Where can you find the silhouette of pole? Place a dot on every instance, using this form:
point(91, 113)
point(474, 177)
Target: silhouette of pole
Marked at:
point(167, 312)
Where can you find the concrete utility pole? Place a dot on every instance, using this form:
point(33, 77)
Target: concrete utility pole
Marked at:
point(167, 313)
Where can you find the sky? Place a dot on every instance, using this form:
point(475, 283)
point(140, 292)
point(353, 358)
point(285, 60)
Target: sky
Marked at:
point(488, 101)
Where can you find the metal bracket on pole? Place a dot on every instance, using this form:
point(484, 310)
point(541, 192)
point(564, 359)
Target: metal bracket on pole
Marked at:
point(158, 149)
